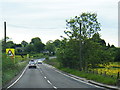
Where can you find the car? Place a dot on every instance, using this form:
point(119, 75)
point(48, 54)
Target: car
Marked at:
point(39, 62)
point(32, 64)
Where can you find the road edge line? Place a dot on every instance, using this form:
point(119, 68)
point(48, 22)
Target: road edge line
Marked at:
point(17, 78)
point(84, 80)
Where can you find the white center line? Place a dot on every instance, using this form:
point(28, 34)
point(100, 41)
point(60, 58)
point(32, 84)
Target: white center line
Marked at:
point(45, 77)
point(54, 87)
point(49, 82)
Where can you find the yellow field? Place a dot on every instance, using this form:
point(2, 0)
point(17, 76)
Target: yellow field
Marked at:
point(111, 69)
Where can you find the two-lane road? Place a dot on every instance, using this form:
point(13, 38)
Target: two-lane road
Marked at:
point(47, 77)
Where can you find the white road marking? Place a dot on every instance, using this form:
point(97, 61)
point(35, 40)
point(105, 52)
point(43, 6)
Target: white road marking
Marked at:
point(45, 77)
point(54, 87)
point(73, 77)
point(49, 82)
point(18, 78)
point(78, 79)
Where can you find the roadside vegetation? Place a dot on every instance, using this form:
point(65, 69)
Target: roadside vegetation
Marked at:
point(90, 75)
point(12, 67)
point(82, 52)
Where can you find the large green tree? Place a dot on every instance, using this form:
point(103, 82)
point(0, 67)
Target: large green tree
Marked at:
point(24, 43)
point(84, 47)
point(38, 46)
point(50, 46)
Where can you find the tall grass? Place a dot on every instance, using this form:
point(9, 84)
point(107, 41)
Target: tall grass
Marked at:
point(91, 76)
point(11, 67)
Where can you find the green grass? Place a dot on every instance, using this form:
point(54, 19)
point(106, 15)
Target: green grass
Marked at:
point(89, 76)
point(11, 69)
point(53, 62)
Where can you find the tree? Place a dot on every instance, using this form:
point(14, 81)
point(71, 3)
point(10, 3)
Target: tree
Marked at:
point(96, 38)
point(117, 57)
point(38, 46)
point(35, 40)
point(89, 23)
point(50, 46)
point(10, 44)
point(89, 27)
point(57, 43)
point(24, 43)
point(29, 48)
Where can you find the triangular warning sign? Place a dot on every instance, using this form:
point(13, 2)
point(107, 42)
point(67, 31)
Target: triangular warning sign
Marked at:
point(10, 53)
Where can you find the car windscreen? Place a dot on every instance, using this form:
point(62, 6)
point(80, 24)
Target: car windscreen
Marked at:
point(31, 62)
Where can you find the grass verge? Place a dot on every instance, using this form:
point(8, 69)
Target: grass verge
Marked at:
point(89, 76)
point(11, 69)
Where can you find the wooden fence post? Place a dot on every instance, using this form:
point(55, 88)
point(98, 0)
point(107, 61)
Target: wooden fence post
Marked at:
point(118, 79)
point(118, 75)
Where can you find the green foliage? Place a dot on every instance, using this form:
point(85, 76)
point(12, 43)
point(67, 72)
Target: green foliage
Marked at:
point(11, 67)
point(29, 48)
point(7, 63)
point(68, 53)
point(84, 48)
point(117, 56)
point(57, 43)
point(35, 40)
point(50, 46)
point(24, 43)
point(35, 46)
point(38, 55)
point(89, 26)
point(89, 76)
point(53, 62)
point(10, 44)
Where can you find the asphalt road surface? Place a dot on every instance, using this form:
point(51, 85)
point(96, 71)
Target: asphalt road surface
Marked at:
point(47, 77)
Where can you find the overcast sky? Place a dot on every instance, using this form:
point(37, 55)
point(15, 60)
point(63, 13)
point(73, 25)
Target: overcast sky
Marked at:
point(27, 19)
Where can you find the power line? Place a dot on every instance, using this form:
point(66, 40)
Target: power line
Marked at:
point(26, 27)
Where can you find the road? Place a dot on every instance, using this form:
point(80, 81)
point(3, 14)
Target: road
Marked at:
point(47, 77)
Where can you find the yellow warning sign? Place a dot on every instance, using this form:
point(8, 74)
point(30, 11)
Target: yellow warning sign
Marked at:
point(10, 52)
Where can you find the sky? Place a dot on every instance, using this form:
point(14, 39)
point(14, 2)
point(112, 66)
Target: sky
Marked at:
point(46, 19)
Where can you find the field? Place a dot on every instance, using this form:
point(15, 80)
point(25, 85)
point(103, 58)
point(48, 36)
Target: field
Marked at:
point(111, 69)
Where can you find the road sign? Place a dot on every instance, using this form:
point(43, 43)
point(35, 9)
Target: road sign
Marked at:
point(10, 52)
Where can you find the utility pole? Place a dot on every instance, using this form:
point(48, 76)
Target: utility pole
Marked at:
point(80, 48)
point(5, 36)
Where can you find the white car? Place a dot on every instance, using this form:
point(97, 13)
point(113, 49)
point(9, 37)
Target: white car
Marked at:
point(39, 62)
point(32, 64)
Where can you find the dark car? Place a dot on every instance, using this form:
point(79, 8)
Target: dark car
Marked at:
point(32, 64)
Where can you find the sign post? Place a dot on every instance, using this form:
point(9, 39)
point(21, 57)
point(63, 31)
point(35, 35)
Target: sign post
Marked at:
point(11, 53)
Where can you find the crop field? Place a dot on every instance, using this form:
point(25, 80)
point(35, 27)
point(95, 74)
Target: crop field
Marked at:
point(110, 69)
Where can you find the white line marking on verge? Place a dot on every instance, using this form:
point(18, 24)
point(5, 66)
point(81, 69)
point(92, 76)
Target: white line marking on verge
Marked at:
point(18, 78)
point(77, 79)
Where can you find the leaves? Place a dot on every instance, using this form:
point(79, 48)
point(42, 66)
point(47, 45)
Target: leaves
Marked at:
point(93, 49)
